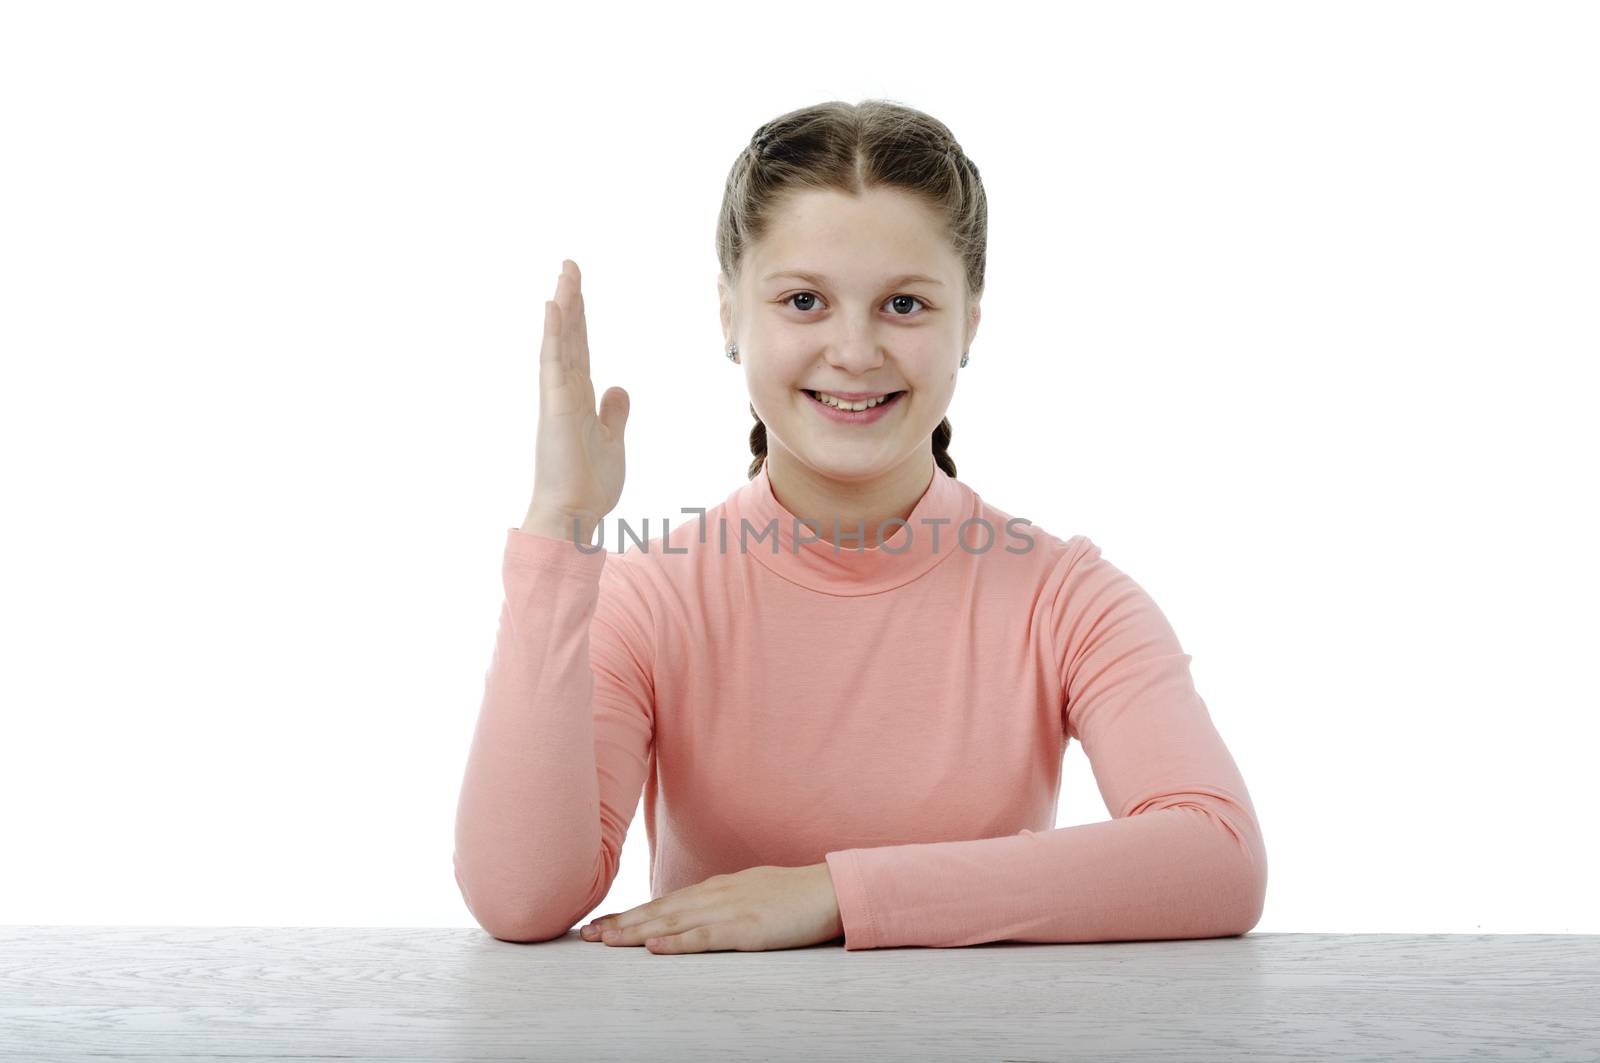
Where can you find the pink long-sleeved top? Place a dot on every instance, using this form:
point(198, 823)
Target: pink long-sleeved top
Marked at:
point(898, 711)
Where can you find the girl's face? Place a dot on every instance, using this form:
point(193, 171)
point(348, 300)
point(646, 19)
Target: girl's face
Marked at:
point(853, 323)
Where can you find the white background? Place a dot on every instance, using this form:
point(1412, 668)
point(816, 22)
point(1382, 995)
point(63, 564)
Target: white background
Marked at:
point(1290, 308)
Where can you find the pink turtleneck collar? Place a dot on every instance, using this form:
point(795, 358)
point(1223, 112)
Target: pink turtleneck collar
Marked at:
point(908, 551)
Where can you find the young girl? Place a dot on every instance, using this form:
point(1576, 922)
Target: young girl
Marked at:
point(845, 692)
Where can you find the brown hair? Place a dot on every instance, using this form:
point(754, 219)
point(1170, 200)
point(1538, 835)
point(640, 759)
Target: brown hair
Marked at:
point(849, 148)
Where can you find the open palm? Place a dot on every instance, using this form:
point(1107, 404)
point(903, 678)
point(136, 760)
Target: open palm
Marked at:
point(579, 466)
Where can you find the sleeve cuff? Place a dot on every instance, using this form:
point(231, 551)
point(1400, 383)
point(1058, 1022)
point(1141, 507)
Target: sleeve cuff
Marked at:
point(541, 551)
point(855, 907)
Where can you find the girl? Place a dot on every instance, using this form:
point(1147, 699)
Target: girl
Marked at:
point(845, 692)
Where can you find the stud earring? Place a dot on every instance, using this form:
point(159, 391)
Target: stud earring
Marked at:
point(733, 353)
point(963, 359)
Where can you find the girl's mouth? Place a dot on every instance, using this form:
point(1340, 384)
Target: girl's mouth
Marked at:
point(866, 416)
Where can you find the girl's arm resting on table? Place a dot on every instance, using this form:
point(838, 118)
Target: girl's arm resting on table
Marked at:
point(1183, 855)
point(561, 746)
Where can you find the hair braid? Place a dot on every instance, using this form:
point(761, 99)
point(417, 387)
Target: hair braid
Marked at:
point(941, 448)
point(758, 443)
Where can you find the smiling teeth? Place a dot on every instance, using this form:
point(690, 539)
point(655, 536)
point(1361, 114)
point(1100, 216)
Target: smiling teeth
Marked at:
point(844, 404)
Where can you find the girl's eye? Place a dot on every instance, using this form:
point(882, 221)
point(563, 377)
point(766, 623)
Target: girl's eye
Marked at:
point(898, 300)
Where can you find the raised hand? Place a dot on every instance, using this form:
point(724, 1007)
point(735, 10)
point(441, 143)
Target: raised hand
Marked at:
point(579, 466)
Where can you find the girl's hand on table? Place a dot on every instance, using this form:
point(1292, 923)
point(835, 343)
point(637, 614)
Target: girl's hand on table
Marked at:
point(754, 910)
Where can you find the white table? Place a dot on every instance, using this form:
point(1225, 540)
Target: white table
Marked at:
point(195, 994)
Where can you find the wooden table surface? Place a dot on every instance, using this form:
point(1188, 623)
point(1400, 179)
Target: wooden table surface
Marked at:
point(244, 993)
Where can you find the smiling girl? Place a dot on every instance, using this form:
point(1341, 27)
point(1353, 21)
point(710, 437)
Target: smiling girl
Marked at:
point(855, 727)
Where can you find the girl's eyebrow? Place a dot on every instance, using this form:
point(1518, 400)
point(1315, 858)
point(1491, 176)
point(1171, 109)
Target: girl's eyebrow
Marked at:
point(817, 278)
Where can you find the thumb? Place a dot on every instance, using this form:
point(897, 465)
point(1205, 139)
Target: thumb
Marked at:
point(614, 411)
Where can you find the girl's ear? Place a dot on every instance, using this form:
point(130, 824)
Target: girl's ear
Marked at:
point(725, 308)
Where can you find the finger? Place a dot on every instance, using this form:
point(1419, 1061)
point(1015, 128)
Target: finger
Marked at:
point(590, 931)
point(581, 351)
point(663, 926)
point(614, 411)
point(594, 930)
point(607, 922)
point(686, 900)
point(648, 910)
point(551, 371)
point(580, 342)
point(632, 917)
point(697, 940)
point(569, 317)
